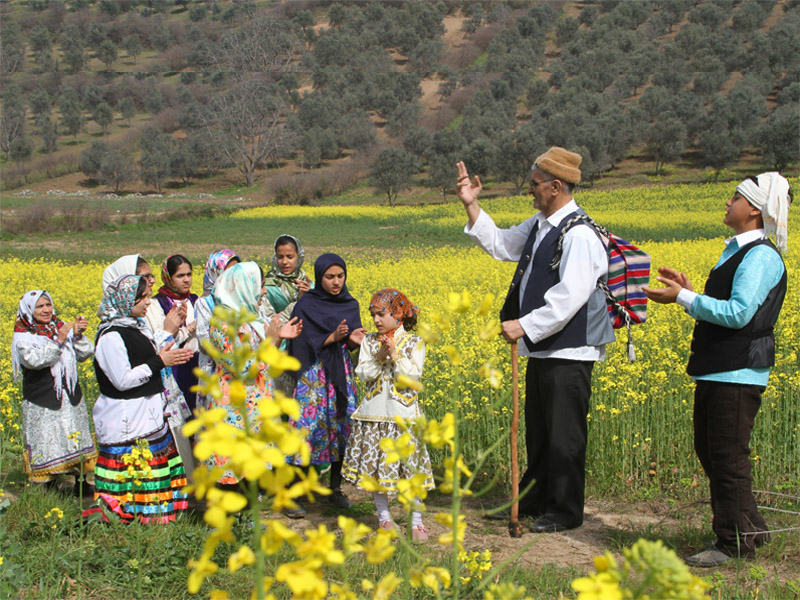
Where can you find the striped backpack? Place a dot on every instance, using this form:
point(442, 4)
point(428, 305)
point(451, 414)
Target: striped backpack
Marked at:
point(628, 273)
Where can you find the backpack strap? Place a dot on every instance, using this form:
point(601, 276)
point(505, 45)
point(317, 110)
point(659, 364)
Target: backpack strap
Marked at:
point(606, 239)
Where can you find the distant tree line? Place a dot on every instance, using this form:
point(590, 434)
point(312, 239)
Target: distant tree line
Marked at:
point(315, 81)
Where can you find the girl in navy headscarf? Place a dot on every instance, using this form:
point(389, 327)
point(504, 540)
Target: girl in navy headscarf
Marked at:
point(326, 388)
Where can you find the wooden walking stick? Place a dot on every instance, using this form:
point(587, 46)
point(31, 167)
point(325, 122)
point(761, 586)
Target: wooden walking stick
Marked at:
point(514, 527)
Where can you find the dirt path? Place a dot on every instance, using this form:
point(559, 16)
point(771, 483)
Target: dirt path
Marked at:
point(575, 548)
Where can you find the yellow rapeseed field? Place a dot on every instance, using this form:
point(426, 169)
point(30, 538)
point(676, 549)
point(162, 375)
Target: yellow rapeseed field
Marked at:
point(640, 416)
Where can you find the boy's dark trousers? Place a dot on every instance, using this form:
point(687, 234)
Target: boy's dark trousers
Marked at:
point(724, 414)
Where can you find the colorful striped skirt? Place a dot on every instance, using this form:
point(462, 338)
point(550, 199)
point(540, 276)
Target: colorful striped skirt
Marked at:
point(147, 488)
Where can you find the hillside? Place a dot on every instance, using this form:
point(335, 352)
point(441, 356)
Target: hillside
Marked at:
point(297, 101)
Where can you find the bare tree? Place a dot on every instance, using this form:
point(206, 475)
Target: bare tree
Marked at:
point(262, 45)
point(247, 124)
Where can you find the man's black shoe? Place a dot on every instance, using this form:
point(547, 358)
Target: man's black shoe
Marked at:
point(505, 515)
point(545, 525)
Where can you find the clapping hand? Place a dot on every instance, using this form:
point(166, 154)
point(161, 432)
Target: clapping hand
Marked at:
point(674, 281)
point(303, 285)
point(292, 329)
point(175, 356)
point(387, 349)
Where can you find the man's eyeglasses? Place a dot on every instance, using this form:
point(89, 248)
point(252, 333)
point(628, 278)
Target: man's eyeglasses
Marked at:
point(534, 183)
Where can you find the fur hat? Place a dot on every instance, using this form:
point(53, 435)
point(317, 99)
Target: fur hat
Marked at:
point(560, 163)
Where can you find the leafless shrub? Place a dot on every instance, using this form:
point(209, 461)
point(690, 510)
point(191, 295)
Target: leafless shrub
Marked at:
point(35, 217)
point(309, 187)
point(167, 120)
point(175, 58)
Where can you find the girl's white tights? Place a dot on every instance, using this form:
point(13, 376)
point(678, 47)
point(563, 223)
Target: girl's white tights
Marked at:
point(382, 506)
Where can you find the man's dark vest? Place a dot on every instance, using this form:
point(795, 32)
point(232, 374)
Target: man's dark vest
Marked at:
point(140, 351)
point(38, 387)
point(716, 349)
point(590, 326)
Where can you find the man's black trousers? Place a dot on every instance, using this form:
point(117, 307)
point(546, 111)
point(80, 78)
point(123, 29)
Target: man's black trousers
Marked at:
point(556, 406)
point(724, 415)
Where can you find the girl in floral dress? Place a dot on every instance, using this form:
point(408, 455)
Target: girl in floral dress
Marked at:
point(392, 352)
point(241, 286)
point(325, 386)
point(217, 262)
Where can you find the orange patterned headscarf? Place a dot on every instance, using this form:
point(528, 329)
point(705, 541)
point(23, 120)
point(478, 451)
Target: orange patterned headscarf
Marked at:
point(398, 305)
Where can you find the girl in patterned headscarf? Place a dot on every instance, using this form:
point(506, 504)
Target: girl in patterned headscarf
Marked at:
point(240, 287)
point(286, 281)
point(217, 262)
point(130, 409)
point(55, 423)
point(392, 352)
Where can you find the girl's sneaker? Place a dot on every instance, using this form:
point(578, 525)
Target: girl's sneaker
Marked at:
point(419, 533)
point(388, 525)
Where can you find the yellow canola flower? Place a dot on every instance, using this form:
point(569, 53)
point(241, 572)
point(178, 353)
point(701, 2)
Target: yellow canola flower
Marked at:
point(304, 578)
point(453, 356)
point(237, 393)
point(597, 586)
point(492, 375)
point(379, 547)
point(371, 484)
point(320, 543)
point(446, 519)
point(397, 449)
point(459, 303)
point(404, 381)
point(276, 360)
point(353, 533)
point(412, 490)
point(200, 569)
point(385, 588)
point(203, 480)
point(342, 592)
point(440, 434)
point(276, 534)
point(490, 330)
point(55, 512)
point(219, 595)
point(242, 557)
point(203, 418)
point(505, 591)
point(485, 305)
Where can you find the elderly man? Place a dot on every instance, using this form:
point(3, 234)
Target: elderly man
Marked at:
point(561, 317)
point(733, 348)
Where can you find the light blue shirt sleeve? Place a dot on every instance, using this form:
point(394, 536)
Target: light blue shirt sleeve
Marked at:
point(759, 272)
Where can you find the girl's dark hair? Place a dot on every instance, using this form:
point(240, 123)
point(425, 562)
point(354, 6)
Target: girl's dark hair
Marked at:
point(286, 239)
point(175, 261)
point(409, 322)
point(139, 262)
point(142, 289)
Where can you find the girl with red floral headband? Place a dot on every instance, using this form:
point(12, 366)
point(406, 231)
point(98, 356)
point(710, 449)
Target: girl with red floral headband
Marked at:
point(393, 351)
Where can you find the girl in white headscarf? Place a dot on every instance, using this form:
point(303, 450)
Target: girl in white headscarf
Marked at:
point(45, 352)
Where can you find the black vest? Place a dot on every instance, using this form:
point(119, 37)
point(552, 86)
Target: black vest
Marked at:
point(38, 387)
point(590, 326)
point(716, 349)
point(140, 351)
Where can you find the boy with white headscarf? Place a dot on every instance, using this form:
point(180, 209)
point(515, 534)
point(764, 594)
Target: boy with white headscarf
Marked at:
point(733, 348)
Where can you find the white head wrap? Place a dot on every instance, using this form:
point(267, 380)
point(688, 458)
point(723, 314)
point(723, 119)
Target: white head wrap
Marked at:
point(122, 266)
point(771, 197)
point(65, 370)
